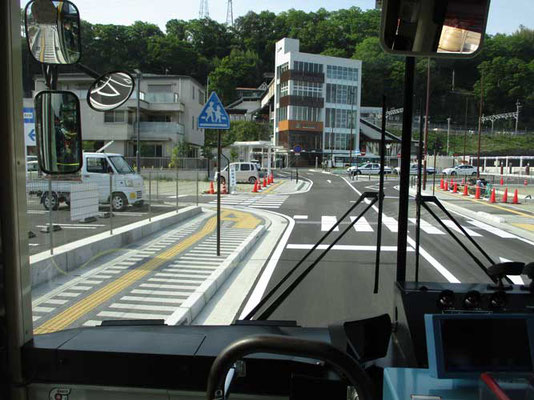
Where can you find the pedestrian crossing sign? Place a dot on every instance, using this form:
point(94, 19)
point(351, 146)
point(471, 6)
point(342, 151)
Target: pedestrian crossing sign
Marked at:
point(213, 115)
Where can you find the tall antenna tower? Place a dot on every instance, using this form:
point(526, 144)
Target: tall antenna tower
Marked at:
point(230, 14)
point(204, 11)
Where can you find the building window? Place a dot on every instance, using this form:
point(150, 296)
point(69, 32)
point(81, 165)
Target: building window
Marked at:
point(336, 118)
point(308, 67)
point(114, 117)
point(150, 150)
point(282, 114)
point(200, 97)
point(341, 94)
point(302, 113)
point(308, 89)
point(344, 73)
point(282, 68)
point(284, 89)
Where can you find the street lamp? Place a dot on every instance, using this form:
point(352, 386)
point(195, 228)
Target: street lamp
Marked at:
point(448, 133)
point(138, 116)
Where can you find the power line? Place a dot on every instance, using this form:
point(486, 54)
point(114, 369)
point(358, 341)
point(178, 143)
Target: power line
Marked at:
point(230, 14)
point(204, 11)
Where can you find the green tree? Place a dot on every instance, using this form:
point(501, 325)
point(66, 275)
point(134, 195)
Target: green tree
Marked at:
point(233, 155)
point(181, 150)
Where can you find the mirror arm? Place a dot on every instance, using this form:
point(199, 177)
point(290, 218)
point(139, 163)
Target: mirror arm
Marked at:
point(88, 71)
point(50, 73)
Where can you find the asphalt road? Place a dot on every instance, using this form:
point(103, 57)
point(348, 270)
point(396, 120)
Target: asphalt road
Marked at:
point(341, 286)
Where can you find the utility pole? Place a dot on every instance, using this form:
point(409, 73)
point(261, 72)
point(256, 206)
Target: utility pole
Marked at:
point(518, 104)
point(351, 141)
point(448, 133)
point(137, 122)
point(426, 122)
point(465, 124)
point(480, 122)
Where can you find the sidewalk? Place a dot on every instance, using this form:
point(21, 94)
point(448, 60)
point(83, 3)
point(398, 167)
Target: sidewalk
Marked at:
point(514, 218)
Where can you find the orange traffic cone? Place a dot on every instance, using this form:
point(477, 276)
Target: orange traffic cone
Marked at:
point(466, 190)
point(492, 197)
point(442, 184)
point(269, 181)
point(446, 185)
point(455, 188)
point(264, 182)
point(255, 189)
point(463, 181)
point(477, 193)
point(505, 196)
point(502, 181)
point(224, 191)
point(516, 198)
point(212, 191)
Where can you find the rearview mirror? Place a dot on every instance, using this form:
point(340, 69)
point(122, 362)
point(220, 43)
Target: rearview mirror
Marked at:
point(434, 28)
point(58, 131)
point(53, 31)
point(110, 91)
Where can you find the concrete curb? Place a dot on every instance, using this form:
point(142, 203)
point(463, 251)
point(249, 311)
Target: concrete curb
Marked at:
point(195, 303)
point(497, 222)
point(302, 188)
point(69, 257)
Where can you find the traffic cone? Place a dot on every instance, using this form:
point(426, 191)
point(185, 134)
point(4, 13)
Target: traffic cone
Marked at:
point(264, 182)
point(516, 198)
point(505, 196)
point(272, 177)
point(255, 189)
point(463, 181)
point(442, 184)
point(477, 193)
point(492, 197)
point(502, 181)
point(455, 188)
point(212, 191)
point(526, 182)
point(224, 191)
point(466, 190)
point(446, 186)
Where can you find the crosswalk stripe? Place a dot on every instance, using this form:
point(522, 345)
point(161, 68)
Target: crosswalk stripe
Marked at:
point(142, 307)
point(161, 293)
point(344, 247)
point(427, 227)
point(92, 322)
point(160, 286)
point(491, 229)
point(327, 222)
point(115, 314)
point(152, 299)
point(43, 309)
point(390, 223)
point(450, 224)
point(55, 301)
point(180, 281)
point(517, 280)
point(362, 225)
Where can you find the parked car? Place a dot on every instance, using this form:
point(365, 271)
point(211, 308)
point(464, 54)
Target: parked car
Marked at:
point(368, 169)
point(97, 167)
point(32, 163)
point(245, 172)
point(461, 170)
point(413, 170)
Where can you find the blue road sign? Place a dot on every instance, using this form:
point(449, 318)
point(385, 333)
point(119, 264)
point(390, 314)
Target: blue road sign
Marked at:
point(297, 149)
point(31, 135)
point(213, 115)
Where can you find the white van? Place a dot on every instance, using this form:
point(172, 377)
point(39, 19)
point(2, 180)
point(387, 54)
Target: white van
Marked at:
point(245, 172)
point(127, 185)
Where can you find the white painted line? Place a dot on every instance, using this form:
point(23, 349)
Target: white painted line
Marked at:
point(43, 309)
point(181, 275)
point(391, 223)
point(177, 287)
point(450, 224)
point(155, 292)
point(101, 276)
point(329, 181)
point(265, 277)
point(427, 227)
point(92, 322)
point(184, 282)
point(114, 314)
point(491, 229)
point(36, 318)
point(152, 299)
point(68, 294)
point(71, 227)
point(300, 217)
point(516, 279)
point(340, 247)
point(327, 222)
point(435, 263)
point(55, 301)
point(142, 307)
point(362, 225)
point(91, 282)
point(78, 287)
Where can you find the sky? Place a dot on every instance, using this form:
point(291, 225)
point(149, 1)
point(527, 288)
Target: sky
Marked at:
point(505, 15)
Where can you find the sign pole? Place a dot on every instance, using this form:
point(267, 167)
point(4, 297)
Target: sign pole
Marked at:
point(219, 152)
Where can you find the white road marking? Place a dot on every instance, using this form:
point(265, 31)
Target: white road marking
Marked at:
point(491, 229)
point(142, 307)
point(92, 322)
point(516, 279)
point(114, 314)
point(362, 225)
point(435, 263)
point(68, 294)
point(300, 217)
point(152, 299)
point(43, 309)
point(329, 181)
point(343, 247)
point(176, 287)
point(450, 224)
point(327, 222)
point(391, 223)
point(55, 301)
point(161, 293)
point(427, 227)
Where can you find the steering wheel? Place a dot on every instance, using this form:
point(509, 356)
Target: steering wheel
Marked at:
point(340, 361)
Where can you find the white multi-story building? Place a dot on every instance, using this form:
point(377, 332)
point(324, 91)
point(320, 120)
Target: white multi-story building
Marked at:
point(169, 108)
point(317, 103)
